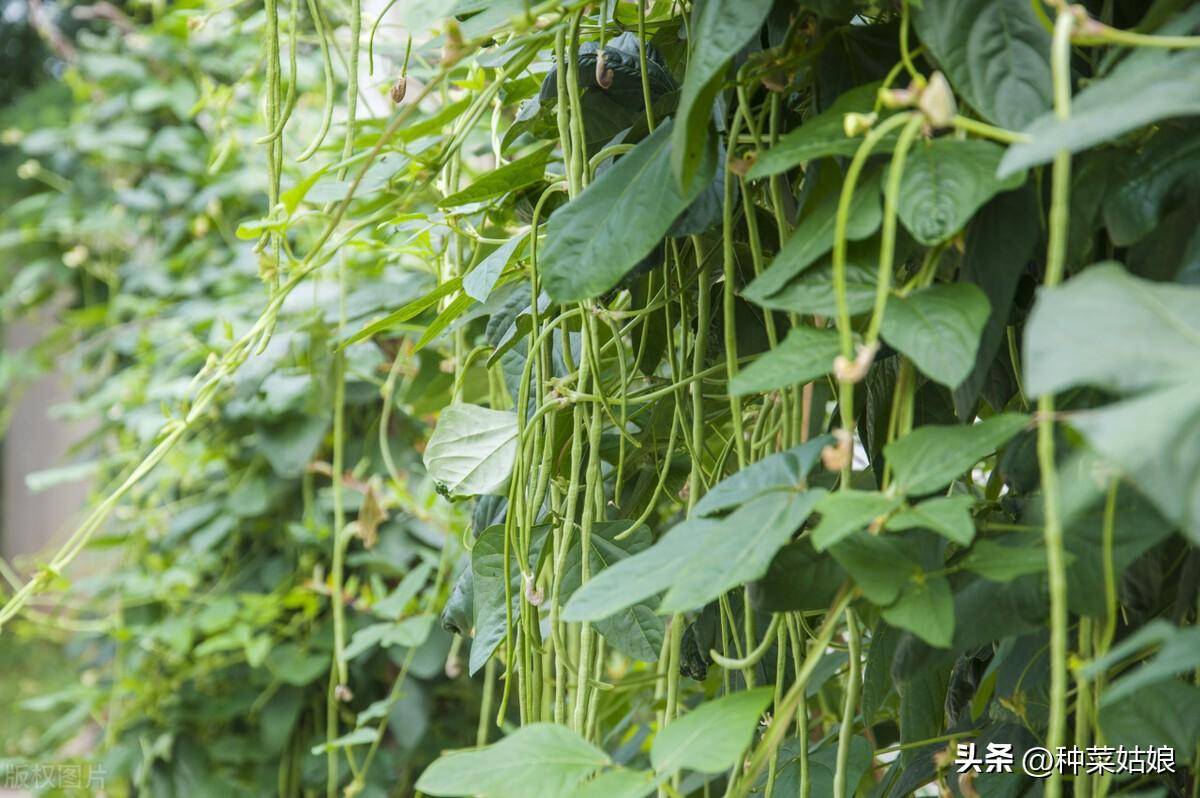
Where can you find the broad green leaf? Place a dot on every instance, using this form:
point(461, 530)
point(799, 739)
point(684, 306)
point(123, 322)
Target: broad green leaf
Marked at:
point(479, 282)
point(929, 457)
point(1001, 563)
point(812, 291)
point(541, 760)
point(1110, 330)
point(783, 471)
point(1128, 336)
point(925, 608)
point(1163, 713)
point(712, 737)
point(291, 664)
point(798, 578)
point(1177, 653)
point(996, 53)
point(617, 783)
point(1136, 203)
point(698, 559)
point(592, 242)
point(472, 449)
point(637, 578)
point(720, 30)
point(844, 512)
point(636, 631)
point(938, 328)
point(813, 236)
point(949, 516)
point(409, 632)
point(821, 136)
point(510, 177)
point(488, 590)
point(409, 311)
point(806, 354)
point(944, 182)
point(743, 551)
point(1148, 86)
point(879, 565)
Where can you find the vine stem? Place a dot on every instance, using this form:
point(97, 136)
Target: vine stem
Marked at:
point(1053, 532)
point(846, 732)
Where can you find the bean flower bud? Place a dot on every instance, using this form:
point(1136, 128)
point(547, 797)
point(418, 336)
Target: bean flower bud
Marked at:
point(855, 124)
point(937, 103)
point(399, 88)
point(837, 457)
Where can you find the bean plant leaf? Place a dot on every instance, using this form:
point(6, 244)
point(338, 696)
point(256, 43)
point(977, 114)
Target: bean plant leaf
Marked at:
point(821, 136)
point(479, 282)
point(1176, 653)
point(929, 457)
point(1138, 339)
point(844, 512)
point(590, 243)
point(518, 174)
point(778, 472)
point(939, 328)
point(721, 28)
point(472, 449)
point(813, 236)
point(944, 182)
point(949, 516)
point(1003, 563)
point(712, 737)
point(1148, 86)
point(488, 590)
point(926, 608)
point(540, 760)
point(996, 53)
point(636, 631)
point(806, 354)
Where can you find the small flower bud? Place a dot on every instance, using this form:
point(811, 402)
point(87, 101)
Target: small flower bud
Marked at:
point(855, 124)
point(937, 103)
point(76, 256)
point(853, 371)
point(11, 136)
point(29, 170)
point(532, 594)
point(343, 694)
point(838, 456)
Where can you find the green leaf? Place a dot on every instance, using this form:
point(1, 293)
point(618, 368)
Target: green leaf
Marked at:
point(636, 631)
point(712, 737)
point(488, 591)
point(812, 291)
point(944, 182)
point(1147, 86)
point(821, 136)
point(479, 282)
point(472, 449)
point(541, 760)
point(291, 664)
point(938, 327)
point(798, 579)
point(721, 29)
point(617, 783)
point(879, 565)
point(925, 608)
point(1001, 563)
point(806, 353)
point(995, 52)
point(699, 559)
point(949, 516)
point(1178, 653)
point(409, 632)
point(591, 243)
point(844, 512)
point(510, 177)
point(813, 236)
point(783, 471)
point(409, 311)
point(1164, 713)
point(929, 457)
point(1128, 336)
point(1134, 207)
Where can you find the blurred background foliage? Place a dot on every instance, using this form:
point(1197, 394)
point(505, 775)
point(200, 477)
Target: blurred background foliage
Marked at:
point(128, 161)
